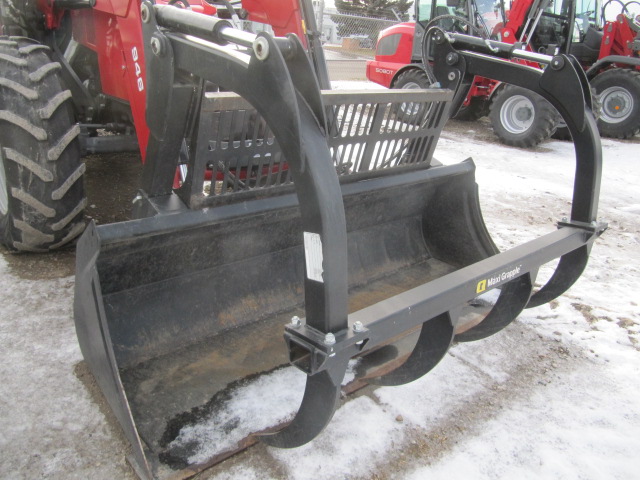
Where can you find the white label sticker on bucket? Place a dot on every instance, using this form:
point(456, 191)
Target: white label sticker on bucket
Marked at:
point(313, 256)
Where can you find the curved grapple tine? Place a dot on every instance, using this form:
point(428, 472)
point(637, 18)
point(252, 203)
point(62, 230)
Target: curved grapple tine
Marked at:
point(569, 269)
point(316, 410)
point(512, 300)
point(433, 343)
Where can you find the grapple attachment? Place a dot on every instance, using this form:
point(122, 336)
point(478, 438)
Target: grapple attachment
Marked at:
point(321, 211)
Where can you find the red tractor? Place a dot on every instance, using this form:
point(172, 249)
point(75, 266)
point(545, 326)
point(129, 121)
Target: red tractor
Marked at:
point(608, 50)
point(68, 70)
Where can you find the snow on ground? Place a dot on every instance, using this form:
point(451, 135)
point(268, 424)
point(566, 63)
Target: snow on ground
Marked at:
point(49, 425)
point(555, 395)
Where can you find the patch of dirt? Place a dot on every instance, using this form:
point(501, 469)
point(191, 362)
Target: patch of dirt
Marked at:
point(632, 330)
point(585, 310)
point(37, 266)
point(111, 183)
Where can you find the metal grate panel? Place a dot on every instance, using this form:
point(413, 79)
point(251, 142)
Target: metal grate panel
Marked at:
point(236, 153)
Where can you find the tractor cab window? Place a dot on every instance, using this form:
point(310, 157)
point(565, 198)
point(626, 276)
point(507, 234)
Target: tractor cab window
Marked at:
point(588, 13)
point(427, 11)
point(462, 16)
point(489, 15)
point(424, 11)
point(553, 28)
point(588, 16)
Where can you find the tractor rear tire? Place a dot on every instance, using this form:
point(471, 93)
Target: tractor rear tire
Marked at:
point(411, 80)
point(521, 118)
point(21, 18)
point(619, 91)
point(41, 174)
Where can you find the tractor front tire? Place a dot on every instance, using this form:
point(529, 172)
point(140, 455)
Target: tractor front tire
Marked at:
point(411, 80)
point(41, 174)
point(521, 118)
point(619, 92)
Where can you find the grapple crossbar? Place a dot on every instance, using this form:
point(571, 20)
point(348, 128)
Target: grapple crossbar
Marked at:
point(321, 211)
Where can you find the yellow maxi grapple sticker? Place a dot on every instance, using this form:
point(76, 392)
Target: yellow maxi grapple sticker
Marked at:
point(497, 279)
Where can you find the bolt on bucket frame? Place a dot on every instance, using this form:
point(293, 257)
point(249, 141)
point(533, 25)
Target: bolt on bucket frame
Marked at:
point(317, 205)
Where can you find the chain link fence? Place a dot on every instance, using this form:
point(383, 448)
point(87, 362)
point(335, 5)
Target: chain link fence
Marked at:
point(351, 35)
point(349, 41)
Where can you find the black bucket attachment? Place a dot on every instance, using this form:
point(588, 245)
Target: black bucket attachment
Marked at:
point(319, 212)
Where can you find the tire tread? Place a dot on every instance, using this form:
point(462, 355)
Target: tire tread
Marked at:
point(40, 150)
point(631, 126)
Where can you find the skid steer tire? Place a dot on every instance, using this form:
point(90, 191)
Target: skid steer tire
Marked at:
point(521, 118)
point(411, 80)
point(41, 175)
point(562, 131)
point(619, 92)
point(476, 109)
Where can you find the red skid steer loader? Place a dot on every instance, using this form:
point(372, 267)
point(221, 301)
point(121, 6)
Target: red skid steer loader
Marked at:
point(313, 214)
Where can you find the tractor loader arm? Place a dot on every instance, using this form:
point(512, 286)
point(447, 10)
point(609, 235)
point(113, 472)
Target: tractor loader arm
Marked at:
point(315, 209)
